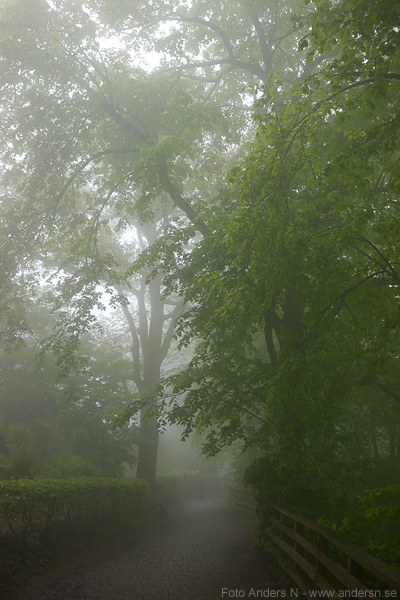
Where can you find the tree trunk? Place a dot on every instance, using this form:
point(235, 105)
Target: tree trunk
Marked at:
point(152, 353)
point(392, 446)
point(291, 338)
point(148, 448)
point(374, 441)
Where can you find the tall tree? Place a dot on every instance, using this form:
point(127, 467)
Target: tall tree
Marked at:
point(151, 317)
point(48, 420)
point(90, 142)
point(308, 260)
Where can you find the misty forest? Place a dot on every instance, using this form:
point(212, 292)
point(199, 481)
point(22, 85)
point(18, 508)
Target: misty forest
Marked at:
point(199, 267)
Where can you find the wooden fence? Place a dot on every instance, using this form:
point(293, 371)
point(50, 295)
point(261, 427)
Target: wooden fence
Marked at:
point(240, 498)
point(317, 559)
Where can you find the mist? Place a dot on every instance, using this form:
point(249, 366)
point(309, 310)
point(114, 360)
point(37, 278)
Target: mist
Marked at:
point(199, 299)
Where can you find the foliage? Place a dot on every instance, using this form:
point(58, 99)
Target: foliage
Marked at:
point(70, 466)
point(375, 523)
point(29, 507)
point(175, 485)
point(24, 454)
point(71, 416)
point(305, 257)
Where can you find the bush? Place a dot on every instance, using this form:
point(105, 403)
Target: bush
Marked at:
point(180, 485)
point(28, 506)
point(175, 486)
point(375, 524)
point(68, 466)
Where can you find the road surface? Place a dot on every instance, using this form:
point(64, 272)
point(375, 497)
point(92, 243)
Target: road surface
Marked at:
point(203, 551)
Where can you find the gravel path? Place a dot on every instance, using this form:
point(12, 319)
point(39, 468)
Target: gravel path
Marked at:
point(204, 551)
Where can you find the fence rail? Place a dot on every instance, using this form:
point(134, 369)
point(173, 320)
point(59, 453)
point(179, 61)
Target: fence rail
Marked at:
point(240, 498)
point(316, 558)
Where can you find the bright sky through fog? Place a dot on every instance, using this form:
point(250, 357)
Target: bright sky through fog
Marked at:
point(146, 60)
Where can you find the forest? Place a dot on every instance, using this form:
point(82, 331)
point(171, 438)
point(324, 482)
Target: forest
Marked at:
point(200, 227)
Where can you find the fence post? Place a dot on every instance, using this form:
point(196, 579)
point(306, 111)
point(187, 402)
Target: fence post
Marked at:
point(281, 552)
point(323, 546)
point(300, 530)
point(355, 569)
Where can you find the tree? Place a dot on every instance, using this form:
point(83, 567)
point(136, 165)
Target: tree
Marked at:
point(126, 146)
point(308, 260)
point(151, 317)
point(230, 44)
point(48, 420)
point(131, 140)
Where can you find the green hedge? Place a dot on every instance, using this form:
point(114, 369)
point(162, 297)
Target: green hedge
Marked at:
point(27, 505)
point(180, 485)
point(175, 486)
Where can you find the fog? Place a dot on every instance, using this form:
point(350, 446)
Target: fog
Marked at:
point(199, 217)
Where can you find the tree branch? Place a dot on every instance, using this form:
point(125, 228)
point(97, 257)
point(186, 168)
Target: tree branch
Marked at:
point(83, 166)
point(199, 21)
point(268, 334)
point(393, 272)
point(262, 40)
point(96, 222)
point(345, 293)
point(320, 103)
point(218, 30)
point(171, 330)
point(394, 395)
point(143, 323)
point(182, 203)
point(135, 346)
point(373, 74)
point(235, 64)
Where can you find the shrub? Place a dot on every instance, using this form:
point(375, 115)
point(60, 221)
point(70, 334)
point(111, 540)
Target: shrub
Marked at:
point(180, 485)
point(24, 454)
point(70, 466)
point(375, 524)
point(175, 486)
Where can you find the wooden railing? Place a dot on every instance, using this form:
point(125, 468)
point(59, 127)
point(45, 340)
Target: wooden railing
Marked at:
point(319, 561)
point(240, 498)
point(316, 558)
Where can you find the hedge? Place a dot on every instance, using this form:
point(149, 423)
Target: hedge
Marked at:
point(29, 507)
point(180, 485)
point(174, 486)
